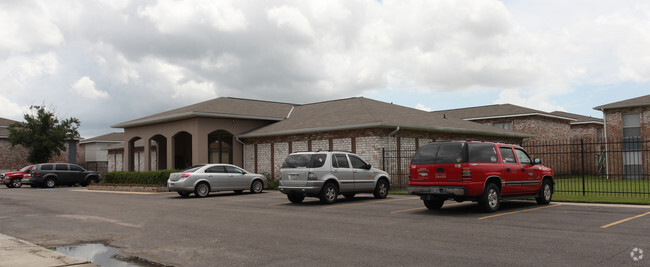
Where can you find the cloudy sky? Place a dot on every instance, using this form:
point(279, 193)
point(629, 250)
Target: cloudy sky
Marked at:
point(109, 61)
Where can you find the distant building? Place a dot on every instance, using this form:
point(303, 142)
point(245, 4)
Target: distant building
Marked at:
point(95, 151)
point(627, 127)
point(542, 125)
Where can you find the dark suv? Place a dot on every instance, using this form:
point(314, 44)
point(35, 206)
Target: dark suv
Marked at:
point(52, 174)
point(478, 171)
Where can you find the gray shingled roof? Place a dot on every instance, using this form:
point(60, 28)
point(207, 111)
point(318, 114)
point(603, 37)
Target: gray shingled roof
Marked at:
point(580, 119)
point(222, 107)
point(359, 112)
point(632, 102)
point(495, 111)
point(111, 137)
point(4, 124)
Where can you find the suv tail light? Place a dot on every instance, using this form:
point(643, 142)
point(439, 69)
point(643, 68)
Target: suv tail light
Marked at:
point(467, 174)
point(312, 176)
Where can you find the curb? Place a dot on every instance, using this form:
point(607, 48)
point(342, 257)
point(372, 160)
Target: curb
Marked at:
point(17, 252)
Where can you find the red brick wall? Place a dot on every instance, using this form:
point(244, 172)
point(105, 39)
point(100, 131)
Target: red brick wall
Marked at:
point(614, 121)
point(541, 127)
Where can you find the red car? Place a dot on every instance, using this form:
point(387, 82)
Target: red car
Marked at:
point(478, 171)
point(15, 179)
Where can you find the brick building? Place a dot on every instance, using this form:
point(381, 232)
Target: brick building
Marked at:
point(258, 135)
point(542, 125)
point(627, 129)
point(14, 158)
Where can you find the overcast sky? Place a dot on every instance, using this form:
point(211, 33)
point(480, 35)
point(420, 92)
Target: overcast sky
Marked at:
point(110, 61)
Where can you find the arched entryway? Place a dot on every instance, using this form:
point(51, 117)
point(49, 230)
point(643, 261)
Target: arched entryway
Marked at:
point(135, 157)
point(182, 149)
point(159, 142)
point(220, 147)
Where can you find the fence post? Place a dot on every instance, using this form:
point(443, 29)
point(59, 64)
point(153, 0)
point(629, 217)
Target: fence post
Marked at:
point(582, 171)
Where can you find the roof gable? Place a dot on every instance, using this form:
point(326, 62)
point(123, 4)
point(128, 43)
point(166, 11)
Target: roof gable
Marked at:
point(359, 112)
point(495, 111)
point(580, 119)
point(632, 102)
point(222, 107)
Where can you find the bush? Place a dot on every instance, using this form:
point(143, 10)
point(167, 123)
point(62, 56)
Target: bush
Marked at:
point(273, 184)
point(143, 178)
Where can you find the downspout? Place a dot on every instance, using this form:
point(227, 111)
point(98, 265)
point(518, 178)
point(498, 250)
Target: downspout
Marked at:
point(243, 152)
point(606, 142)
point(388, 145)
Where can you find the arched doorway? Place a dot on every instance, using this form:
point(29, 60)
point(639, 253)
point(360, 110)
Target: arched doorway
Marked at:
point(135, 158)
point(220, 147)
point(159, 143)
point(182, 149)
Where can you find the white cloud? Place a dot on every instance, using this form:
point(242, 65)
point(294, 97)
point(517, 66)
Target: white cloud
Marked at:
point(86, 87)
point(422, 107)
point(11, 110)
point(26, 28)
point(178, 16)
point(292, 19)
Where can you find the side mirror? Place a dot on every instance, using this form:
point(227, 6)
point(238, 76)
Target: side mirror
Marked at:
point(537, 161)
point(368, 167)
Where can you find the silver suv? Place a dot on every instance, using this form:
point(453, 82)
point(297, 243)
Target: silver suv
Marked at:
point(325, 175)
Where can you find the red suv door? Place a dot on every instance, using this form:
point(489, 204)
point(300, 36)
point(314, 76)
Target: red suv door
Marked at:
point(528, 174)
point(510, 175)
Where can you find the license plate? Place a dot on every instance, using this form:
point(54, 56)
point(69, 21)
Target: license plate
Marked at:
point(293, 177)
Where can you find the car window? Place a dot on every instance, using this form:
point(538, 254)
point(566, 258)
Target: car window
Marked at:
point(61, 167)
point(46, 167)
point(450, 153)
point(231, 169)
point(508, 155)
point(193, 168)
point(482, 153)
point(523, 157)
point(215, 169)
point(340, 161)
point(357, 162)
point(304, 161)
point(75, 168)
point(318, 160)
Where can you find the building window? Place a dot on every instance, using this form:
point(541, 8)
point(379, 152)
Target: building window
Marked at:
point(503, 125)
point(220, 147)
point(632, 146)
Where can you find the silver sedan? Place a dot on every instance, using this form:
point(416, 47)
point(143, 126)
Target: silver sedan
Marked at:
point(203, 179)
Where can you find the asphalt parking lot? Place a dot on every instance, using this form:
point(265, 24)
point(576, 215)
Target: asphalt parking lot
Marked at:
point(266, 229)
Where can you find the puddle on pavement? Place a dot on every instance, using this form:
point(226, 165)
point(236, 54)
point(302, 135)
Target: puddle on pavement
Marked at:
point(104, 256)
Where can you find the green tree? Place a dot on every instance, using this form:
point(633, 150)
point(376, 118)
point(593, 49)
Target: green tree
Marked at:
point(43, 134)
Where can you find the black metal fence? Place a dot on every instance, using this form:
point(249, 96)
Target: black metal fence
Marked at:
point(618, 168)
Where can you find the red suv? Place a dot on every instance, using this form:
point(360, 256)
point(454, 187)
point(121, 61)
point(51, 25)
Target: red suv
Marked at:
point(478, 171)
point(14, 179)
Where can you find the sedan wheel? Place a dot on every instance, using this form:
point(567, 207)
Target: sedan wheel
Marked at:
point(202, 190)
point(257, 187)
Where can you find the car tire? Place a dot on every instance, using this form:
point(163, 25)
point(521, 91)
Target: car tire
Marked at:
point(184, 194)
point(238, 191)
point(491, 198)
point(49, 183)
point(545, 193)
point(202, 190)
point(15, 183)
point(295, 198)
point(349, 195)
point(329, 193)
point(257, 187)
point(381, 190)
point(433, 204)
